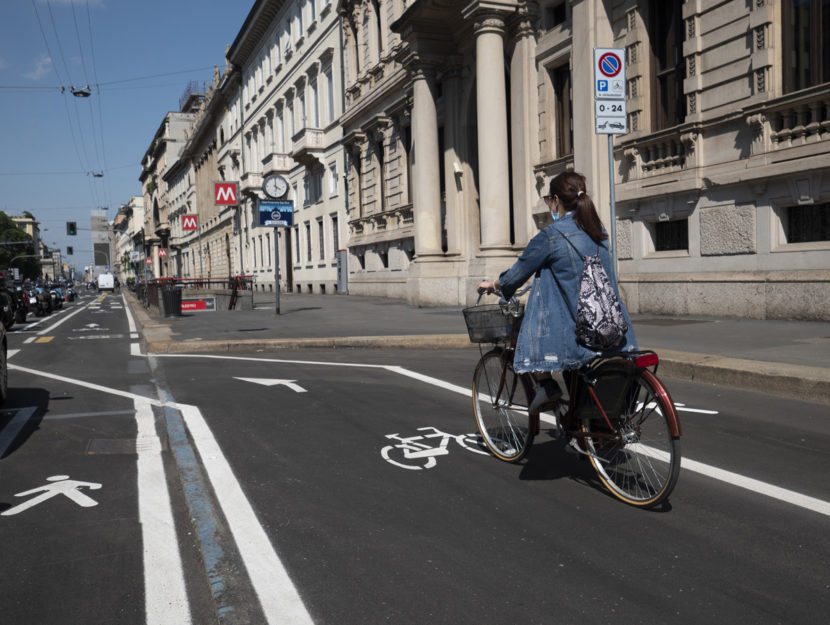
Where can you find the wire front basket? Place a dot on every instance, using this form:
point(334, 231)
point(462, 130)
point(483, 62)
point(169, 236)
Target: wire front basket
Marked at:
point(491, 323)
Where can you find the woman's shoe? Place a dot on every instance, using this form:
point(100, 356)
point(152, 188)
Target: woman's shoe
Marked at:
point(547, 395)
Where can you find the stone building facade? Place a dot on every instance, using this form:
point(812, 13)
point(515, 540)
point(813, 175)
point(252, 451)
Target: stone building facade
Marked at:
point(284, 119)
point(459, 113)
point(162, 155)
point(724, 191)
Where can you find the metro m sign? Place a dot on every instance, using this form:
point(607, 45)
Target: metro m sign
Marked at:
point(190, 222)
point(225, 193)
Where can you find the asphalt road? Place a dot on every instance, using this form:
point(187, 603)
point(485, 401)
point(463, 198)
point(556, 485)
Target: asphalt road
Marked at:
point(251, 488)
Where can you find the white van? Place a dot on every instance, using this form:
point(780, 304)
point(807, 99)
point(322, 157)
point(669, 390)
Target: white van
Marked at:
point(106, 282)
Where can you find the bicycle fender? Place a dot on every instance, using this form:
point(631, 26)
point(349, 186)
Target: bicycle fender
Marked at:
point(672, 418)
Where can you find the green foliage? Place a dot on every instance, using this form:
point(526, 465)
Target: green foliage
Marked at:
point(11, 233)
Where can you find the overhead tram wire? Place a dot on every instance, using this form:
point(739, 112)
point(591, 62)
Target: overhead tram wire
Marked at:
point(60, 80)
point(58, 41)
point(87, 161)
point(86, 77)
point(100, 102)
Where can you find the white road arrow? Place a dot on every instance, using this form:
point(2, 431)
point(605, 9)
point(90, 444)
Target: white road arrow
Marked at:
point(270, 382)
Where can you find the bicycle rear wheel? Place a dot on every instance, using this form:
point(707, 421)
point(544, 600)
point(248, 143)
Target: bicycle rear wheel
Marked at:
point(641, 463)
point(500, 405)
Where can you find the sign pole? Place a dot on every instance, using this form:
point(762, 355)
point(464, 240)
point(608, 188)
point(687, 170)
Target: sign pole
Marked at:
point(610, 118)
point(277, 267)
point(613, 245)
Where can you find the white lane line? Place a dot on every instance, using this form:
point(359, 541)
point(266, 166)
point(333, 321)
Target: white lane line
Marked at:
point(89, 385)
point(130, 320)
point(11, 352)
point(277, 594)
point(165, 593)
point(135, 349)
point(30, 339)
point(57, 323)
point(687, 464)
point(277, 360)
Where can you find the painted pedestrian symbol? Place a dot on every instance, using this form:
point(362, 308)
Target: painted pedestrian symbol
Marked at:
point(61, 485)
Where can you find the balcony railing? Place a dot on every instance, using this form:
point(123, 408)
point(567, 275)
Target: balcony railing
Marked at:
point(794, 120)
point(661, 153)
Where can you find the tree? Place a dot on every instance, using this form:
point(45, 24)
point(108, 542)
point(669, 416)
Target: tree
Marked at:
point(11, 233)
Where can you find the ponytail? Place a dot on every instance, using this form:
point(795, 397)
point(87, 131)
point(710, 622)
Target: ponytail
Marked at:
point(569, 187)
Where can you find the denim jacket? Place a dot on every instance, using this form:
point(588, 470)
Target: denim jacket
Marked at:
point(547, 338)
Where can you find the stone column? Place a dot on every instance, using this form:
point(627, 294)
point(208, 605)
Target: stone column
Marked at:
point(383, 7)
point(426, 192)
point(491, 96)
point(524, 126)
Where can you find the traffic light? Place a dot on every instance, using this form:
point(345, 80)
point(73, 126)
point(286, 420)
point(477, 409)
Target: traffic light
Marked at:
point(71, 228)
point(69, 250)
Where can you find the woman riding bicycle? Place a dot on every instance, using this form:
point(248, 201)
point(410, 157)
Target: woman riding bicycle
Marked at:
point(547, 339)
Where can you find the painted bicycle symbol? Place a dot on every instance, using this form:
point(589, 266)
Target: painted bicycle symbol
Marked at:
point(420, 451)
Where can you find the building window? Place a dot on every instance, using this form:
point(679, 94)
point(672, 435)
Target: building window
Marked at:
point(806, 35)
point(667, 34)
point(563, 126)
point(808, 223)
point(321, 238)
point(333, 182)
point(315, 104)
point(555, 14)
point(308, 241)
point(335, 235)
point(383, 255)
point(330, 93)
point(317, 182)
point(671, 235)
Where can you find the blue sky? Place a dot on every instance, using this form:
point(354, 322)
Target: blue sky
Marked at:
point(137, 56)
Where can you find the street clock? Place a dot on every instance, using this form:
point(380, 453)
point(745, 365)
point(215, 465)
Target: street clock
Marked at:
point(275, 186)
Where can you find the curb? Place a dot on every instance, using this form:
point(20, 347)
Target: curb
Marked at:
point(785, 380)
point(418, 341)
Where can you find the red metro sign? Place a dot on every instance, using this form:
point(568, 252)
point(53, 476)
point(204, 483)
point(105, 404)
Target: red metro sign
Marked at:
point(225, 193)
point(190, 222)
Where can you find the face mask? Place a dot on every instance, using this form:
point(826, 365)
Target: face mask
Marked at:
point(555, 215)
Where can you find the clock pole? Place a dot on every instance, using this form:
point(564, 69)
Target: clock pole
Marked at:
point(277, 267)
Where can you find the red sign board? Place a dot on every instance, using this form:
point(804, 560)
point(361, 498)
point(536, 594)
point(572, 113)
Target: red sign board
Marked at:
point(225, 193)
point(190, 222)
point(162, 252)
point(148, 262)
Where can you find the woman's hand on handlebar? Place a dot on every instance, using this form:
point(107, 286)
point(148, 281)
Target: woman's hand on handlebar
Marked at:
point(486, 286)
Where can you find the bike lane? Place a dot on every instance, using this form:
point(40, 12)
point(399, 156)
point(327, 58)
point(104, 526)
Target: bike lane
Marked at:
point(468, 538)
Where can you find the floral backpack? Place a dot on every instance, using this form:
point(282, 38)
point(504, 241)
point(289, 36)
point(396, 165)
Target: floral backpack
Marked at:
point(600, 322)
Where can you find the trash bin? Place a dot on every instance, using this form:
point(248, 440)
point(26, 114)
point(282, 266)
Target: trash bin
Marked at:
point(171, 298)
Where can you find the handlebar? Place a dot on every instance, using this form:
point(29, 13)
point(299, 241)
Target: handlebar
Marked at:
point(510, 306)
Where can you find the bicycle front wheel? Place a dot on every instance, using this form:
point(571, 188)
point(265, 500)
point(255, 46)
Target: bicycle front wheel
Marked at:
point(500, 405)
point(641, 463)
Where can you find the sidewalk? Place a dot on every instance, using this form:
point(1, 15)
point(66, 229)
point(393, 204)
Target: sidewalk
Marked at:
point(789, 358)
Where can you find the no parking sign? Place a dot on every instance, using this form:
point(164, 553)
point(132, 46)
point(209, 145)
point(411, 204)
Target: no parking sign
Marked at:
point(610, 114)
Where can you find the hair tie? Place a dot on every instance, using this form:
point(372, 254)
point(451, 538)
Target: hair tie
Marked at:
point(581, 193)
